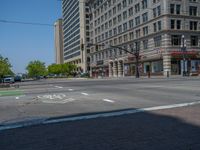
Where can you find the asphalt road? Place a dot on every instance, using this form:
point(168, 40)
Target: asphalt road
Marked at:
point(50, 98)
point(171, 128)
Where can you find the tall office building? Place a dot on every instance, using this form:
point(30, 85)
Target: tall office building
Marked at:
point(157, 28)
point(58, 42)
point(76, 31)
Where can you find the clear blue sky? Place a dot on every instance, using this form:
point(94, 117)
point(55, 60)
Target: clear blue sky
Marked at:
point(23, 43)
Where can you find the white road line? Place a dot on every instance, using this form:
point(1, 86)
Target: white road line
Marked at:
point(120, 113)
point(85, 94)
point(108, 100)
point(70, 89)
point(101, 115)
point(59, 87)
point(16, 97)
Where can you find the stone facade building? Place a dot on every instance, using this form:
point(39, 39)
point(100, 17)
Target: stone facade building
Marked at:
point(154, 27)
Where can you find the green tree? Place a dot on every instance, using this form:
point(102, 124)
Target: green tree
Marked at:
point(68, 69)
point(36, 68)
point(5, 67)
point(64, 69)
point(54, 69)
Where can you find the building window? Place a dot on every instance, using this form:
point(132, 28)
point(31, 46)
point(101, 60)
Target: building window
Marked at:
point(178, 24)
point(114, 21)
point(172, 24)
point(159, 10)
point(159, 26)
point(172, 7)
point(110, 33)
point(145, 44)
point(106, 25)
point(110, 53)
point(193, 25)
point(110, 13)
point(125, 38)
point(111, 42)
point(144, 4)
point(145, 31)
point(99, 30)
point(155, 27)
point(119, 7)
point(124, 3)
point(176, 40)
point(106, 35)
point(101, 9)
point(157, 41)
point(119, 18)
point(125, 15)
point(110, 23)
point(106, 54)
point(130, 1)
point(193, 11)
point(137, 7)
point(119, 29)
point(102, 18)
point(137, 33)
point(178, 9)
point(106, 16)
point(102, 36)
point(115, 41)
point(124, 26)
point(194, 40)
point(154, 12)
point(115, 31)
point(131, 24)
point(102, 27)
point(120, 40)
point(114, 10)
point(131, 35)
point(130, 11)
point(137, 20)
point(145, 17)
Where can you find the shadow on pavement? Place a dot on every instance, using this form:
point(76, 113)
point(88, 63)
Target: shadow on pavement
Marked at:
point(141, 131)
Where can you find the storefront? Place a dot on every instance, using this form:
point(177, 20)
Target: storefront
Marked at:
point(190, 65)
point(100, 70)
point(129, 69)
point(155, 67)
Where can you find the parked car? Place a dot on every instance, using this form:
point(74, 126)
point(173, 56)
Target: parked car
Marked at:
point(8, 79)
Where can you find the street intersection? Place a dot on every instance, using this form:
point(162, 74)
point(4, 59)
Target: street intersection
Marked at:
point(52, 103)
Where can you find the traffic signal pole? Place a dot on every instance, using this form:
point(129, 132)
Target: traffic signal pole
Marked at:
point(136, 54)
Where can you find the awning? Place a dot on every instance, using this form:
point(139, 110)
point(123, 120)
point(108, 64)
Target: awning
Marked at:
point(184, 53)
point(187, 54)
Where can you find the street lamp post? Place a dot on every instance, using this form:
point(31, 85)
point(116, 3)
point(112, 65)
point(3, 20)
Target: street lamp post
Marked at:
point(137, 55)
point(183, 49)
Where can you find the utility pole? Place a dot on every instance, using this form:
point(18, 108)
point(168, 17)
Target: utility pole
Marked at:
point(137, 57)
point(183, 49)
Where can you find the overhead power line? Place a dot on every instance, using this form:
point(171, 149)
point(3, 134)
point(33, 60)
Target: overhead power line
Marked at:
point(26, 23)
